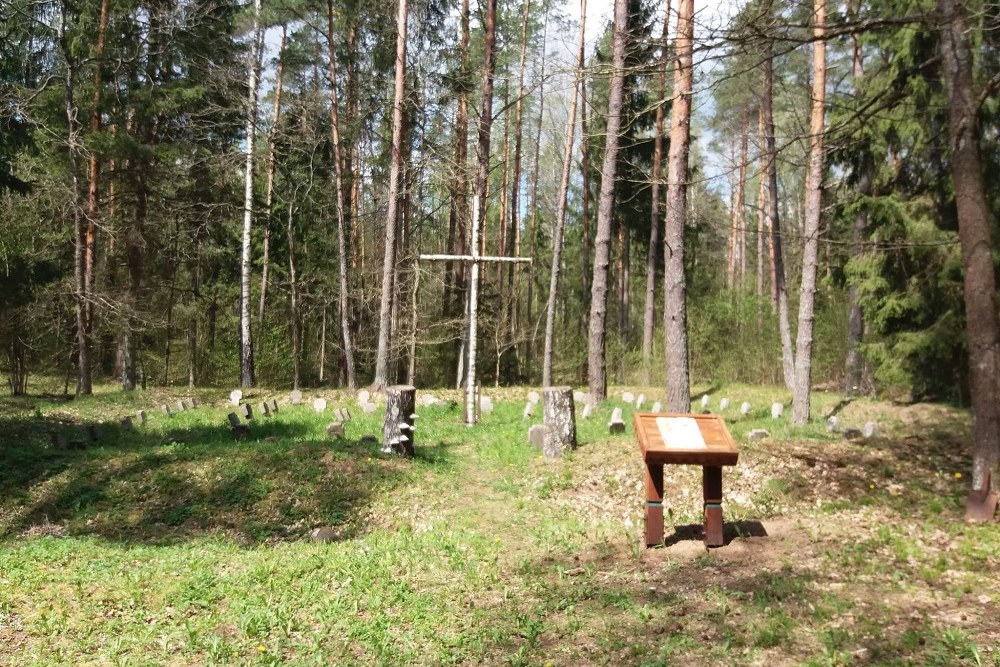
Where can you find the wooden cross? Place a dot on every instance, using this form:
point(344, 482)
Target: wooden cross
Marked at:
point(475, 259)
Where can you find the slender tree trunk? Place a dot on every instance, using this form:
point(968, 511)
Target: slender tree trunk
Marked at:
point(811, 226)
point(559, 225)
point(741, 209)
point(322, 346)
point(247, 376)
point(675, 288)
point(533, 241)
point(293, 288)
point(586, 283)
point(596, 366)
point(977, 245)
point(345, 308)
point(649, 309)
point(394, 196)
point(854, 363)
point(779, 291)
point(271, 165)
point(74, 149)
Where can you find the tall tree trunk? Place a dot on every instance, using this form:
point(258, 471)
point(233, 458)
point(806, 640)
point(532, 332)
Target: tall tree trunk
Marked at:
point(272, 162)
point(810, 232)
point(338, 185)
point(559, 225)
point(394, 196)
point(247, 375)
point(74, 149)
point(596, 366)
point(854, 363)
point(761, 203)
point(675, 288)
point(587, 281)
point(533, 241)
point(741, 208)
point(649, 309)
point(977, 245)
point(293, 288)
point(779, 291)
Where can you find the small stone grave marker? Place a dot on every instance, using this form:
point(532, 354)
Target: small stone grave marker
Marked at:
point(869, 429)
point(757, 434)
point(657, 407)
point(533, 397)
point(704, 401)
point(587, 409)
point(94, 432)
point(319, 404)
point(833, 424)
point(166, 409)
point(486, 405)
point(295, 396)
point(529, 409)
point(536, 436)
point(239, 430)
point(723, 404)
point(745, 408)
point(142, 417)
point(776, 410)
point(628, 397)
point(247, 411)
point(273, 404)
point(335, 429)
point(579, 396)
point(192, 403)
point(181, 407)
point(264, 410)
point(235, 396)
point(368, 408)
point(617, 424)
point(639, 401)
point(363, 396)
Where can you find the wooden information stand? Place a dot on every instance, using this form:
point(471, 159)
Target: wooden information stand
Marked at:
point(666, 438)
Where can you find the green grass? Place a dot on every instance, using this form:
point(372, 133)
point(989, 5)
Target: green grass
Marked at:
point(176, 545)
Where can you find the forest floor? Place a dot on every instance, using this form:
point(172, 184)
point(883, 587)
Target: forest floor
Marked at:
point(175, 545)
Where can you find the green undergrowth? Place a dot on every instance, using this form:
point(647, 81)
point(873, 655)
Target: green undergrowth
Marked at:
point(175, 544)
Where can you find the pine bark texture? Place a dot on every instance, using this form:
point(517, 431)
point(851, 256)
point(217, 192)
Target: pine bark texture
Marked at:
point(811, 226)
point(397, 427)
point(596, 366)
point(977, 245)
point(394, 197)
point(560, 221)
point(559, 419)
point(272, 163)
point(675, 289)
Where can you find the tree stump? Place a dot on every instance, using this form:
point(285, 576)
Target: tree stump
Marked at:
point(560, 418)
point(397, 429)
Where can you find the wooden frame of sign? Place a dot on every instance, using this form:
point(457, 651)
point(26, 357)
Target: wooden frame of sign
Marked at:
point(685, 439)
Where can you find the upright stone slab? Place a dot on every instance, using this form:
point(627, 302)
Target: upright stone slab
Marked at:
point(776, 410)
point(529, 410)
point(704, 401)
point(640, 401)
point(166, 409)
point(869, 429)
point(295, 396)
point(560, 418)
point(193, 402)
point(397, 428)
point(235, 396)
point(657, 407)
point(247, 411)
point(240, 431)
point(180, 406)
point(587, 409)
point(343, 414)
point(723, 404)
point(368, 408)
point(833, 424)
point(617, 424)
point(319, 404)
point(273, 404)
point(335, 429)
point(486, 405)
point(533, 397)
point(628, 397)
point(142, 417)
point(745, 408)
point(536, 436)
point(363, 397)
point(264, 410)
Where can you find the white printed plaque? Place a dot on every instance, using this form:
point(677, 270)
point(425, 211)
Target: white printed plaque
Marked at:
point(680, 433)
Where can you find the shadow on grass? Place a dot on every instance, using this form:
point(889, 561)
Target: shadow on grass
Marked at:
point(190, 481)
point(731, 530)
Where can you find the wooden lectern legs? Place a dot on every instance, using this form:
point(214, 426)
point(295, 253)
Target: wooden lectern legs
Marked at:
point(654, 504)
point(712, 492)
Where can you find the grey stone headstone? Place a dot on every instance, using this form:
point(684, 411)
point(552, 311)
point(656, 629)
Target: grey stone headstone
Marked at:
point(335, 429)
point(536, 436)
point(319, 404)
point(363, 396)
point(486, 405)
point(166, 409)
point(579, 397)
point(833, 424)
point(529, 409)
point(869, 429)
point(628, 397)
point(94, 432)
point(181, 407)
point(657, 407)
point(723, 404)
point(745, 408)
point(776, 410)
point(757, 434)
point(234, 420)
point(295, 396)
point(587, 409)
point(142, 417)
point(247, 411)
point(368, 408)
point(126, 423)
point(235, 396)
point(343, 414)
point(639, 401)
point(264, 410)
point(704, 401)
point(192, 402)
point(616, 425)
point(273, 404)
point(533, 396)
